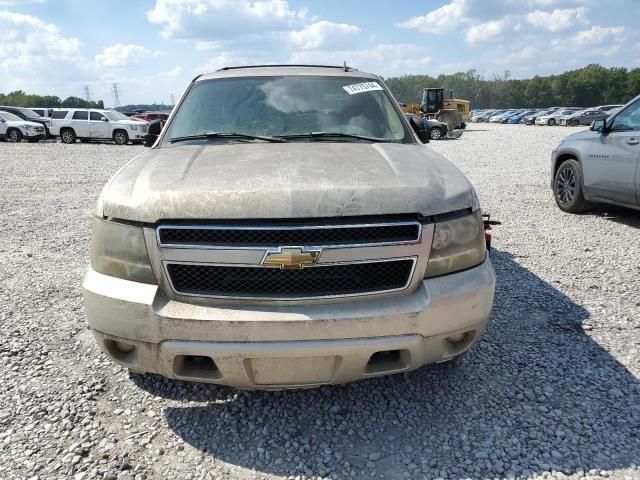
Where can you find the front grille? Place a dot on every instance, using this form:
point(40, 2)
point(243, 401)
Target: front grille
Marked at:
point(292, 236)
point(317, 281)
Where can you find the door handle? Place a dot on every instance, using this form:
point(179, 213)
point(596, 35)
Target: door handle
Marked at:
point(633, 141)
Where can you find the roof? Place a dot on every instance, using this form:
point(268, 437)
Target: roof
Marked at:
point(275, 70)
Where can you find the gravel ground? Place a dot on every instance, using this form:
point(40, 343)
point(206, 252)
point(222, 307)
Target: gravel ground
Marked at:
point(551, 391)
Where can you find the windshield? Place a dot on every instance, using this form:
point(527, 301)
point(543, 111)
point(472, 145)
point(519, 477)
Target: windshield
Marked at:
point(115, 115)
point(28, 113)
point(289, 105)
point(10, 117)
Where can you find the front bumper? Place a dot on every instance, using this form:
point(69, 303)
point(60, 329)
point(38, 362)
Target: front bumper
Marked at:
point(288, 346)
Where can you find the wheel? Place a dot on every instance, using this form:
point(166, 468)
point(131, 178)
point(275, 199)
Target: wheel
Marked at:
point(120, 137)
point(14, 136)
point(567, 187)
point(436, 133)
point(551, 122)
point(68, 136)
point(574, 123)
point(449, 119)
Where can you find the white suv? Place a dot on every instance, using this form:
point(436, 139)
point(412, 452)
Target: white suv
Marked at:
point(90, 124)
point(14, 129)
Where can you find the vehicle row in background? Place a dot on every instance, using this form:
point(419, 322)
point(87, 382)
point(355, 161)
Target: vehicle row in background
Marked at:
point(570, 116)
point(433, 106)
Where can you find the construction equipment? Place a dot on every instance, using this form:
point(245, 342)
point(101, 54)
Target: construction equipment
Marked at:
point(452, 111)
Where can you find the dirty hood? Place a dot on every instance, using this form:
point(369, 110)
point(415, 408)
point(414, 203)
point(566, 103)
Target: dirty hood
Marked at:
point(292, 180)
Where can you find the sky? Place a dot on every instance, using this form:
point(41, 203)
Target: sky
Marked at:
point(153, 48)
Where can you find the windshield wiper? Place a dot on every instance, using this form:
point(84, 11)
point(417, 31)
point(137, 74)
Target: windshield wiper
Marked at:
point(335, 135)
point(231, 135)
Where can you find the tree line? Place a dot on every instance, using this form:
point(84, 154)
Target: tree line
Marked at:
point(585, 87)
point(22, 99)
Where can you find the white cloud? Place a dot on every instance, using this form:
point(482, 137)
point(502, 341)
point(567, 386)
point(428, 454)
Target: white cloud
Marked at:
point(28, 35)
point(383, 59)
point(123, 55)
point(439, 20)
point(322, 34)
point(597, 36)
point(484, 32)
point(558, 19)
point(218, 20)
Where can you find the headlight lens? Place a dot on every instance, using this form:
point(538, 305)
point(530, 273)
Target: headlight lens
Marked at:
point(457, 244)
point(133, 127)
point(119, 251)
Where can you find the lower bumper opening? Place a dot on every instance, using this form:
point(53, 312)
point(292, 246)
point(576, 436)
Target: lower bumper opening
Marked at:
point(195, 366)
point(388, 361)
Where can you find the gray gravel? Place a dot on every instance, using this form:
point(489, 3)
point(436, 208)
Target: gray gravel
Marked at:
point(551, 391)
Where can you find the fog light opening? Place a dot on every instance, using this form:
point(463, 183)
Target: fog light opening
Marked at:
point(122, 351)
point(460, 341)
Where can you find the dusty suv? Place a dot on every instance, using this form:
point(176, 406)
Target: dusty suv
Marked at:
point(287, 229)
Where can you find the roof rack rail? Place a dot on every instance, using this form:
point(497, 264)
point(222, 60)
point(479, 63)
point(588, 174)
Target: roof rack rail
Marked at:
point(341, 67)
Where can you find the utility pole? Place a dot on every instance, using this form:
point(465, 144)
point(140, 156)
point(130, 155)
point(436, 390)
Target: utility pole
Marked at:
point(115, 90)
point(87, 94)
point(173, 100)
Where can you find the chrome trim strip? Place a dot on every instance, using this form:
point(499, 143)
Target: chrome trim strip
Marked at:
point(233, 265)
point(418, 239)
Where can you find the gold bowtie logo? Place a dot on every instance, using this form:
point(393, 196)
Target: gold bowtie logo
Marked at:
point(291, 258)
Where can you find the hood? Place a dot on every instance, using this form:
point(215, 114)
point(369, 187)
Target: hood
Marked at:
point(290, 180)
point(583, 134)
point(24, 123)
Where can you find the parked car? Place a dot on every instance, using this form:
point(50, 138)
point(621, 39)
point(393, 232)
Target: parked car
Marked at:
point(483, 116)
point(583, 117)
point(150, 116)
point(600, 164)
point(531, 118)
point(608, 108)
point(497, 118)
point(92, 124)
point(552, 118)
point(322, 244)
point(515, 118)
point(15, 129)
point(29, 116)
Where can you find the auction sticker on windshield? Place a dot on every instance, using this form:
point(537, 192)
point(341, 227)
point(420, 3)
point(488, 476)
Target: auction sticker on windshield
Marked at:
point(362, 87)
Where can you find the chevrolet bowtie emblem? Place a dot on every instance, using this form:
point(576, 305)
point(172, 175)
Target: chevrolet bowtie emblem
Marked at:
point(291, 258)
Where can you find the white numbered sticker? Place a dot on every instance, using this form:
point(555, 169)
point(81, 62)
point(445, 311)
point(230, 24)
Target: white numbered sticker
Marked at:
point(362, 87)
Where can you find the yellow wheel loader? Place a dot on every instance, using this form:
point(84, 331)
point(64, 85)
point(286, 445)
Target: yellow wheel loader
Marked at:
point(452, 111)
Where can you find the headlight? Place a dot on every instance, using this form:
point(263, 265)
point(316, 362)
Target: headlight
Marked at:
point(27, 127)
point(119, 251)
point(133, 127)
point(457, 244)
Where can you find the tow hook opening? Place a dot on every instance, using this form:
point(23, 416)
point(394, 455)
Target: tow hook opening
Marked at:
point(458, 342)
point(195, 366)
point(388, 361)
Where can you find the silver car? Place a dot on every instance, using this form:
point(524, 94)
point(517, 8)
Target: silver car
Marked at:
point(287, 229)
point(600, 164)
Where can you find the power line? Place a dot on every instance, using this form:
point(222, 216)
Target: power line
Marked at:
point(115, 90)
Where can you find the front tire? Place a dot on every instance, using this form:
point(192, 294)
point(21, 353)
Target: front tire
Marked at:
point(120, 137)
point(567, 187)
point(436, 133)
point(574, 123)
point(551, 122)
point(14, 135)
point(68, 136)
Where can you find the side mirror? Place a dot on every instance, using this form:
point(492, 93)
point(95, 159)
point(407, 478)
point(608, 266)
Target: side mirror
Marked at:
point(104, 119)
point(597, 126)
point(155, 128)
point(2, 120)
